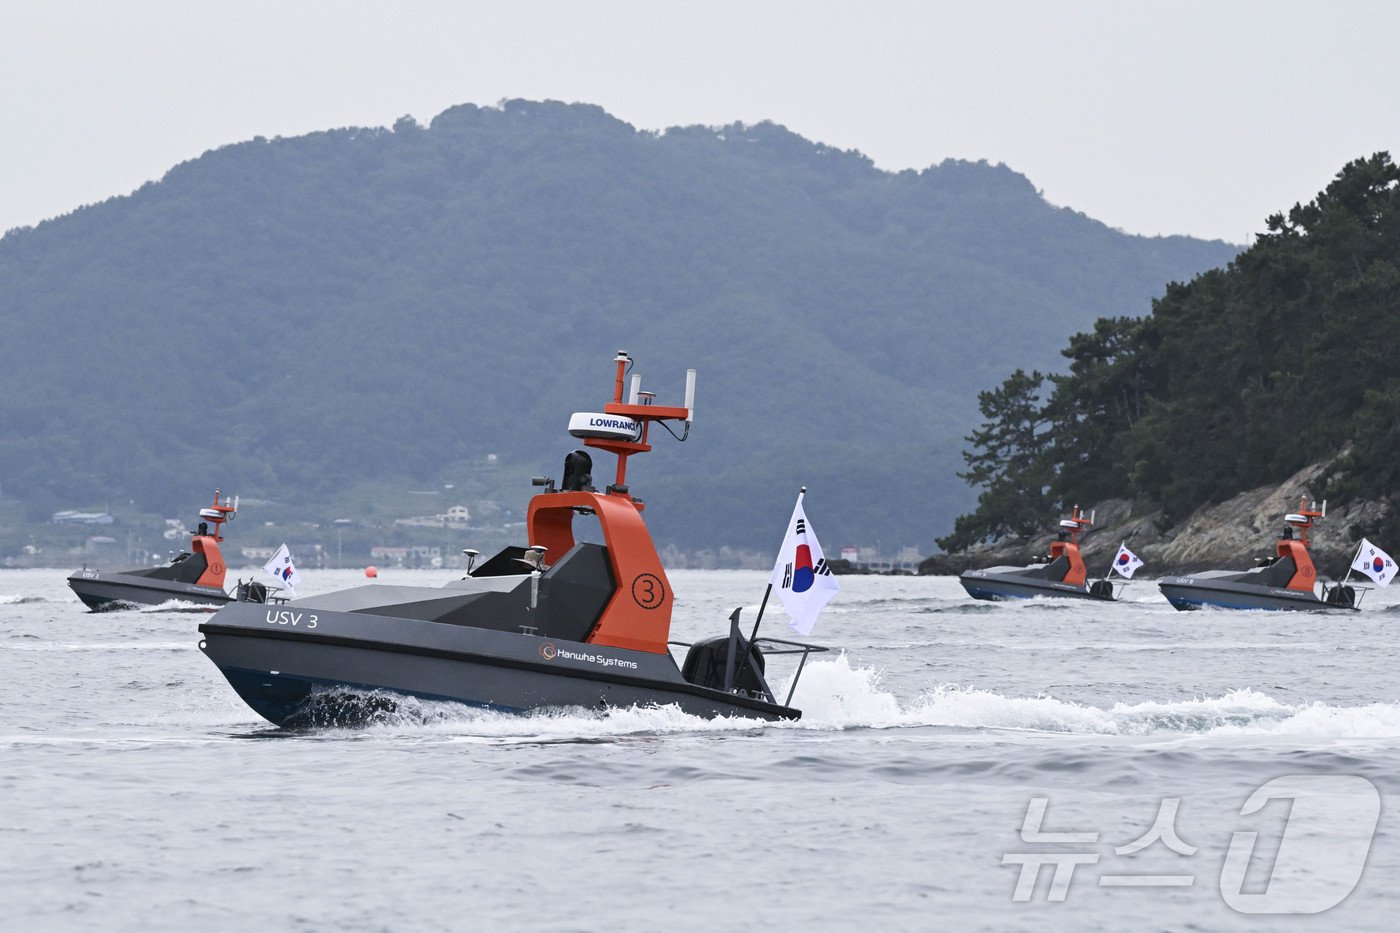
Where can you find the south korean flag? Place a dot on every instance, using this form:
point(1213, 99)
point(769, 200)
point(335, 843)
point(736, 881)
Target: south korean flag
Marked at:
point(802, 576)
point(283, 569)
point(1126, 562)
point(1375, 563)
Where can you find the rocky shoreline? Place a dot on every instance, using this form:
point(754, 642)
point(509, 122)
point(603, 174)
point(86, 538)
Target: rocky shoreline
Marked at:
point(1226, 536)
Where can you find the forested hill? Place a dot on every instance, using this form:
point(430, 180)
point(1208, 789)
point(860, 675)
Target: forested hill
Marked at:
point(286, 317)
point(1239, 379)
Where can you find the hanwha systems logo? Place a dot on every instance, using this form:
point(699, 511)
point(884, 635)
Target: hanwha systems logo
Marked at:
point(548, 651)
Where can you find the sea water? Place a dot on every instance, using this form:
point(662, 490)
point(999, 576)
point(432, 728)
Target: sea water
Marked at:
point(938, 738)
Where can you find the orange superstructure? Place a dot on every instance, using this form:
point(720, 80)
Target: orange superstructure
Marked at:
point(208, 544)
point(638, 615)
point(1297, 549)
point(1067, 546)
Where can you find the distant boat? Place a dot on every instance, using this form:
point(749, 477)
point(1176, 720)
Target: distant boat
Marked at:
point(194, 576)
point(1061, 573)
point(1287, 580)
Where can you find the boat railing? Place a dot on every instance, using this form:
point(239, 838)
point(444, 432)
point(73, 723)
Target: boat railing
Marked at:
point(790, 647)
point(769, 647)
point(255, 591)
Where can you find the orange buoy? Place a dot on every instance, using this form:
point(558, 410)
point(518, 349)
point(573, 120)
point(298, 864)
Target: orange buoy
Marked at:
point(371, 571)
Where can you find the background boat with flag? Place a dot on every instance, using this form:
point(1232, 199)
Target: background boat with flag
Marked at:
point(1061, 574)
point(1285, 580)
point(193, 576)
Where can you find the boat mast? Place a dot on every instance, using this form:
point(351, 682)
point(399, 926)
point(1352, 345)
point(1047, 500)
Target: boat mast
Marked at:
point(1305, 518)
point(638, 407)
point(219, 513)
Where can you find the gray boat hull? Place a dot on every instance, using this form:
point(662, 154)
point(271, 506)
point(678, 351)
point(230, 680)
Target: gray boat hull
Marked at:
point(293, 667)
point(102, 591)
point(987, 584)
point(1188, 593)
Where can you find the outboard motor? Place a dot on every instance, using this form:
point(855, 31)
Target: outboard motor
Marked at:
point(706, 661)
point(1342, 596)
point(251, 592)
point(1102, 589)
point(578, 472)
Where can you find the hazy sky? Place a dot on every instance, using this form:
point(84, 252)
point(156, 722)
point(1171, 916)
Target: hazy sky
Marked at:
point(1184, 117)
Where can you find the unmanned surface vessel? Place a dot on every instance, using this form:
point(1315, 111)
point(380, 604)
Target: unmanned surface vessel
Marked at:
point(557, 623)
point(1061, 573)
point(194, 576)
point(1286, 580)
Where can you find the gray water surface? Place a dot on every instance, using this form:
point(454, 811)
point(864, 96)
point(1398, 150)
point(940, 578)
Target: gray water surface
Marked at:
point(138, 792)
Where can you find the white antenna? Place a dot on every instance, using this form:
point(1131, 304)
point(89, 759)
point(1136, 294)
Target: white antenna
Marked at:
point(635, 390)
point(1092, 515)
point(1324, 508)
point(689, 396)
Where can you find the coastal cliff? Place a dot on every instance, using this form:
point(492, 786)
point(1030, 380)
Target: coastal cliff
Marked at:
point(1225, 536)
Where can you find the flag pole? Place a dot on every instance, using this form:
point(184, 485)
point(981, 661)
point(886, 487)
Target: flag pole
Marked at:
point(1113, 561)
point(1352, 565)
point(752, 635)
point(762, 606)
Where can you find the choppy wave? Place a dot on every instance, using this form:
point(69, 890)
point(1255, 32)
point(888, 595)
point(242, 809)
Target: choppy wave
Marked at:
point(1245, 710)
point(838, 696)
point(122, 605)
point(19, 599)
point(907, 604)
point(360, 710)
point(173, 605)
point(103, 645)
point(835, 696)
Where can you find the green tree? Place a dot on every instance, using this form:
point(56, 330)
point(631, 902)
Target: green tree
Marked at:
point(1371, 468)
point(1008, 460)
point(1238, 378)
point(1096, 404)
